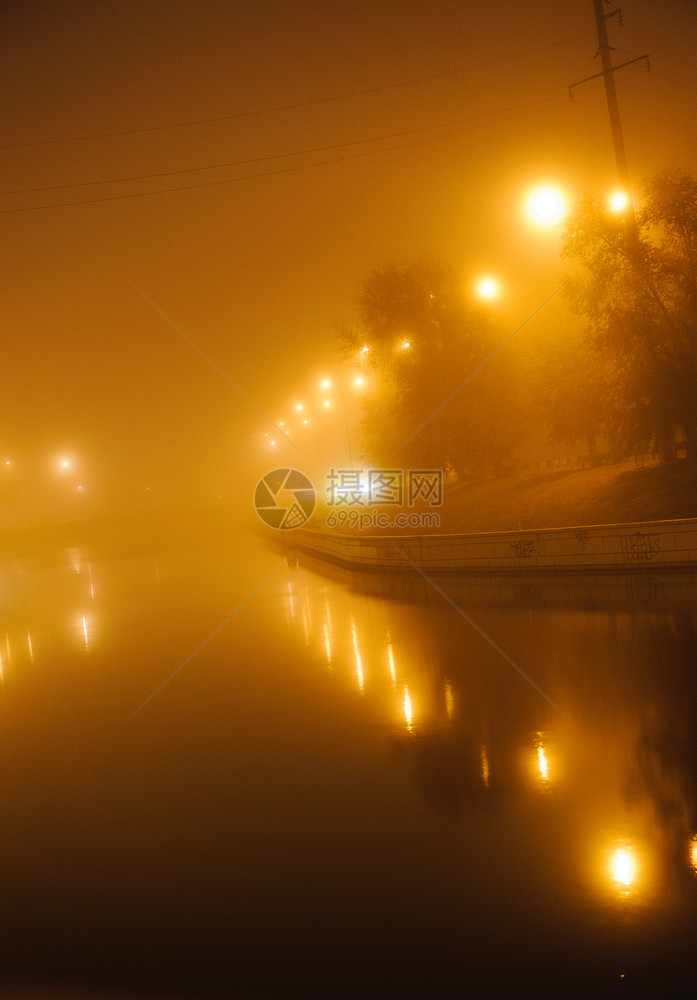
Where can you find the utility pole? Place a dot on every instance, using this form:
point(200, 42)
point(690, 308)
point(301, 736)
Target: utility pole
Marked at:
point(611, 94)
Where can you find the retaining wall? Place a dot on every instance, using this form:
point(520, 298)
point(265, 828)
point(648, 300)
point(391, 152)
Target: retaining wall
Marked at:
point(617, 547)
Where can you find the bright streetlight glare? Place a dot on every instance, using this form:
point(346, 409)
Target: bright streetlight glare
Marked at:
point(487, 288)
point(406, 345)
point(618, 201)
point(546, 205)
point(358, 381)
point(364, 349)
point(327, 403)
point(299, 406)
point(325, 383)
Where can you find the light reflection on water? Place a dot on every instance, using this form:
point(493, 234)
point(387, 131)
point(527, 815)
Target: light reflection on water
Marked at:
point(606, 719)
point(432, 743)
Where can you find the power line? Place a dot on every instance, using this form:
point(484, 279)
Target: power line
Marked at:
point(271, 173)
point(293, 107)
point(282, 156)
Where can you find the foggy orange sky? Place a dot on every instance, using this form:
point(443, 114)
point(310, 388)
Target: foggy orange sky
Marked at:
point(352, 134)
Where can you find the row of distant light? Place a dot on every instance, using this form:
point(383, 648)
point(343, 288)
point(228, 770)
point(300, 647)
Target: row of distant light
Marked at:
point(546, 206)
point(324, 384)
point(62, 464)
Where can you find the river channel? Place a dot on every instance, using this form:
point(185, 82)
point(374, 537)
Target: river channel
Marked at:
point(224, 775)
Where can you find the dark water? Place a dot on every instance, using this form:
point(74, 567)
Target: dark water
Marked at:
point(348, 791)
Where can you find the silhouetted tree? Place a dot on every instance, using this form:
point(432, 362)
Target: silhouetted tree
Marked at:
point(571, 390)
point(636, 286)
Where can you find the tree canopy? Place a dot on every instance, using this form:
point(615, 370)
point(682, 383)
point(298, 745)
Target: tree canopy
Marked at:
point(635, 285)
point(417, 332)
point(446, 395)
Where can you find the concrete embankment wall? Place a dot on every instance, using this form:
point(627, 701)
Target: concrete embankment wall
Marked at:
point(617, 547)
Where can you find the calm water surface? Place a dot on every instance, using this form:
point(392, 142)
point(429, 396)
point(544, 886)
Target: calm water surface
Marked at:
point(347, 790)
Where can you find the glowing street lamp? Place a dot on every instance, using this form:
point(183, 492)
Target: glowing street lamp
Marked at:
point(487, 288)
point(618, 201)
point(546, 205)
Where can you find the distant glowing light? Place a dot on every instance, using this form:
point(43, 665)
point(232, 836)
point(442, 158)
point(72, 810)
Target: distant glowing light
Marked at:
point(327, 402)
point(299, 406)
point(325, 383)
point(618, 201)
point(546, 206)
point(487, 288)
point(305, 421)
point(358, 381)
point(623, 867)
point(364, 349)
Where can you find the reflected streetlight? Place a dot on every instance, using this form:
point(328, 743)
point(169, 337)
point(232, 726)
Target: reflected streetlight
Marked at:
point(623, 867)
point(408, 710)
point(693, 853)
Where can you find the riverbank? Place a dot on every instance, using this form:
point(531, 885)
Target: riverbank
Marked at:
point(561, 522)
point(614, 494)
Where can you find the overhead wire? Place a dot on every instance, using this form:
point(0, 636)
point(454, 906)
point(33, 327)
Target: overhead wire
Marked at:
point(294, 107)
point(561, 98)
point(282, 156)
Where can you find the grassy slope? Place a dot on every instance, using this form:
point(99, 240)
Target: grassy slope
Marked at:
point(608, 495)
